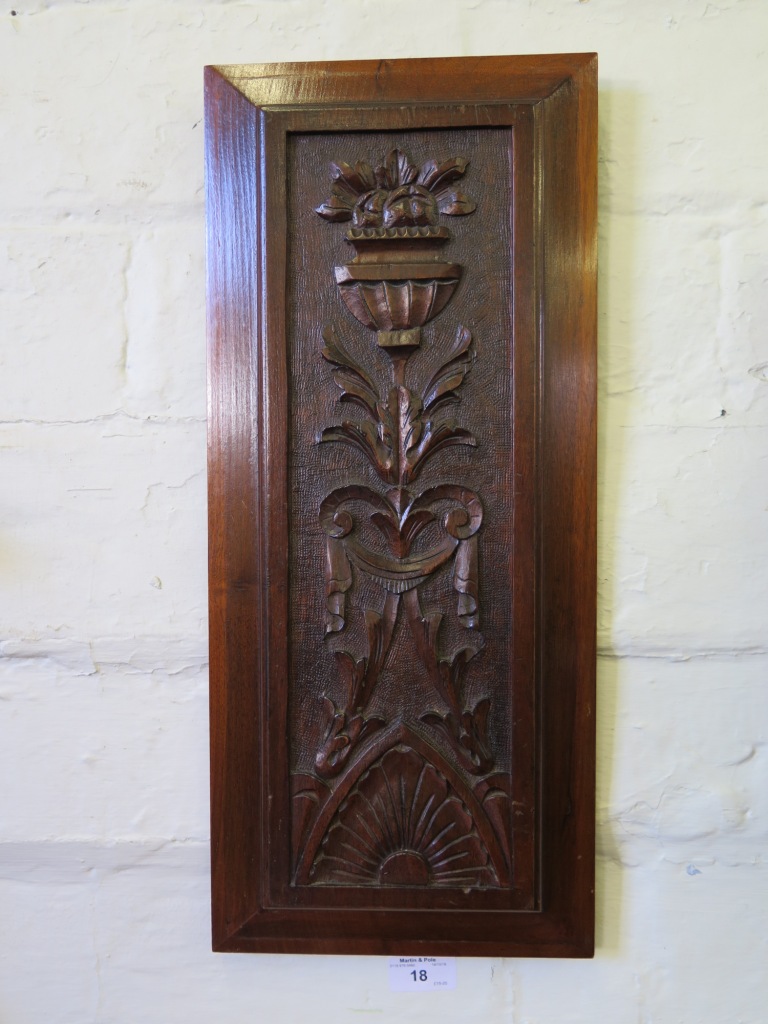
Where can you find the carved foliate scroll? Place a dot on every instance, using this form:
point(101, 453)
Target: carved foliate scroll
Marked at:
point(405, 792)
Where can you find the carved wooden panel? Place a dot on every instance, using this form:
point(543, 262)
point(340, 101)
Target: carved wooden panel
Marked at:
point(401, 327)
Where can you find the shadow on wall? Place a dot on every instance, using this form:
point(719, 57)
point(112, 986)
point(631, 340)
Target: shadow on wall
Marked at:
point(617, 128)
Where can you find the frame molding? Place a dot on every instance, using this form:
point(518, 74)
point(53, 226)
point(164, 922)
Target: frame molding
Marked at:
point(250, 112)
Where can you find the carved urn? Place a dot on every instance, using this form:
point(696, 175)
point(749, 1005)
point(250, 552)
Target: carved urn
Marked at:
point(397, 281)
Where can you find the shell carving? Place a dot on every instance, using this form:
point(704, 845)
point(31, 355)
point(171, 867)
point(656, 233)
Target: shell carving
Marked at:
point(403, 825)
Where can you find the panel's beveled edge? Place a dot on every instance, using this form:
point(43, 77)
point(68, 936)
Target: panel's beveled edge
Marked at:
point(230, 127)
point(514, 77)
point(560, 945)
point(567, 125)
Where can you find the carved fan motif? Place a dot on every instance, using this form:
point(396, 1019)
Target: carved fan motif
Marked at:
point(403, 825)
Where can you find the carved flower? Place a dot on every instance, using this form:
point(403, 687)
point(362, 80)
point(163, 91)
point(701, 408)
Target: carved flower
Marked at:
point(396, 193)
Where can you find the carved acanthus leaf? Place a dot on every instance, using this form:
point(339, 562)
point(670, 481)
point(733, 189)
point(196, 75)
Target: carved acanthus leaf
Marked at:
point(455, 204)
point(435, 437)
point(344, 732)
point(439, 177)
point(444, 383)
point(334, 208)
point(401, 536)
point(351, 379)
point(467, 733)
point(366, 437)
point(357, 179)
point(400, 170)
point(404, 423)
point(362, 674)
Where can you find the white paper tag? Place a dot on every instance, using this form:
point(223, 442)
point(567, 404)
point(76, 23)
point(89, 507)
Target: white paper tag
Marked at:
point(419, 973)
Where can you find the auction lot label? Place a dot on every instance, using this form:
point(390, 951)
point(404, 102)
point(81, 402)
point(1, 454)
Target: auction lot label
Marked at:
point(418, 973)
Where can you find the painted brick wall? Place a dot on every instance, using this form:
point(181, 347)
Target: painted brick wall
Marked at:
point(103, 809)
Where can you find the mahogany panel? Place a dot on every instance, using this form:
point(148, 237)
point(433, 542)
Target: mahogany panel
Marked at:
point(402, 476)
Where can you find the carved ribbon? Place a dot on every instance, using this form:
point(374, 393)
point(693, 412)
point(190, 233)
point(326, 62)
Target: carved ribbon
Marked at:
point(398, 573)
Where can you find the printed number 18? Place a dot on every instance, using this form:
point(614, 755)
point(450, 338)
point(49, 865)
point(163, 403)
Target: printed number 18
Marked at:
point(422, 975)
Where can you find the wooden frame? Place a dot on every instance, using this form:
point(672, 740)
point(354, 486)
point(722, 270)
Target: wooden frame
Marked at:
point(299, 742)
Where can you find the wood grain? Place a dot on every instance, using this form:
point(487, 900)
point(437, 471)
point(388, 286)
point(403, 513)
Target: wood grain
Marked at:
point(402, 629)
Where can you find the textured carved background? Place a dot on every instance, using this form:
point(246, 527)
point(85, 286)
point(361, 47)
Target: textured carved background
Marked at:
point(404, 693)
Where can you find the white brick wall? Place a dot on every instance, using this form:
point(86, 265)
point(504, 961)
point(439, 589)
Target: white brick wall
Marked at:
point(103, 808)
